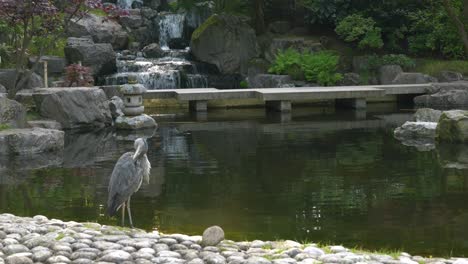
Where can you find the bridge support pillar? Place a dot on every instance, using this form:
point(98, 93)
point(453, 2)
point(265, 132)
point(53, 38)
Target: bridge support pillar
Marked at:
point(355, 103)
point(279, 106)
point(198, 106)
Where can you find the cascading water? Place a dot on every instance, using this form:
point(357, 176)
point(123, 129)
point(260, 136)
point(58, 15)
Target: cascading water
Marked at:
point(171, 71)
point(171, 26)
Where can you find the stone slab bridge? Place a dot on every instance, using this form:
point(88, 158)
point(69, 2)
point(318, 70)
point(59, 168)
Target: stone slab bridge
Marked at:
point(279, 99)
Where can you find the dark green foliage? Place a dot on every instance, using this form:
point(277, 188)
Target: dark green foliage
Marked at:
point(433, 33)
point(375, 61)
point(243, 84)
point(421, 27)
point(320, 67)
point(285, 60)
point(356, 28)
point(4, 127)
point(326, 11)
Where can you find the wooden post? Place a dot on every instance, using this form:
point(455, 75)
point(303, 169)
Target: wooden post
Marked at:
point(46, 81)
point(81, 75)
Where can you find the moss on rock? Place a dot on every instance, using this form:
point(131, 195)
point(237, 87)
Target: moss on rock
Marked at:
point(453, 126)
point(212, 20)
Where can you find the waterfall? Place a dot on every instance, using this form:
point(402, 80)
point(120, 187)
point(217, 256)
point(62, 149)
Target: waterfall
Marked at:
point(127, 4)
point(172, 70)
point(171, 26)
point(196, 81)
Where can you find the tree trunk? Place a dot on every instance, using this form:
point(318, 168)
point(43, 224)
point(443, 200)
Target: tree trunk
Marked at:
point(465, 11)
point(458, 23)
point(260, 27)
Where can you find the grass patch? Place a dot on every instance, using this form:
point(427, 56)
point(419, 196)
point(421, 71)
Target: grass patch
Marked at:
point(433, 67)
point(394, 253)
point(4, 127)
point(60, 236)
point(267, 246)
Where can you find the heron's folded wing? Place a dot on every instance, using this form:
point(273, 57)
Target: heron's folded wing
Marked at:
point(124, 179)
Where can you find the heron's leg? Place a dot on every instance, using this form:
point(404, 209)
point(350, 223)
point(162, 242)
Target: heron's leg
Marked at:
point(129, 212)
point(123, 214)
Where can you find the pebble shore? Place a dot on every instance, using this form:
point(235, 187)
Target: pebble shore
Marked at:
point(40, 240)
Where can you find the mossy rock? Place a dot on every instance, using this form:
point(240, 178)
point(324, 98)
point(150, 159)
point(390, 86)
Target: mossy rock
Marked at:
point(226, 41)
point(211, 21)
point(453, 126)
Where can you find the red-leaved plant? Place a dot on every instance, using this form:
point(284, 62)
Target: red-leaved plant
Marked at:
point(78, 76)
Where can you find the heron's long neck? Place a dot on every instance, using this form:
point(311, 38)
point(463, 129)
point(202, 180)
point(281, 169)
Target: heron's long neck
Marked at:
point(146, 167)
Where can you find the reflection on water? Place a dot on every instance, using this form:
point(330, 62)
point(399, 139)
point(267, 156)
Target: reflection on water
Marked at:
point(316, 175)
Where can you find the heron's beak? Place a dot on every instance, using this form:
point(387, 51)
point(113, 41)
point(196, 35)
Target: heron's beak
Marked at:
point(137, 153)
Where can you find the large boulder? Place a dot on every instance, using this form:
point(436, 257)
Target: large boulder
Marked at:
point(388, 73)
point(427, 115)
point(116, 106)
point(413, 78)
point(226, 41)
point(453, 126)
point(55, 65)
point(30, 141)
point(101, 29)
point(99, 56)
point(131, 21)
point(12, 113)
point(2, 89)
point(450, 76)
point(444, 96)
point(74, 107)
point(8, 76)
point(269, 81)
point(417, 134)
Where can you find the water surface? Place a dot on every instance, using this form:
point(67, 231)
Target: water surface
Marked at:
point(318, 175)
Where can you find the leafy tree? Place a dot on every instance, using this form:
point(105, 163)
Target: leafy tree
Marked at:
point(78, 75)
point(356, 28)
point(457, 21)
point(34, 21)
point(431, 33)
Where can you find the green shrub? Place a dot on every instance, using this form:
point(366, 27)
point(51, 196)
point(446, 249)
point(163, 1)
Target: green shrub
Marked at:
point(243, 84)
point(285, 60)
point(320, 67)
point(356, 28)
point(4, 127)
point(375, 61)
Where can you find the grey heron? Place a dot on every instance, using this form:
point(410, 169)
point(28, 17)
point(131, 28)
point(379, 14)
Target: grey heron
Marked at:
point(129, 172)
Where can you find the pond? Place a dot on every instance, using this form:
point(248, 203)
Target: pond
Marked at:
point(318, 175)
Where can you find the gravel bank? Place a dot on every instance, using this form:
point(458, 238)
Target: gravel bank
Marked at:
point(40, 240)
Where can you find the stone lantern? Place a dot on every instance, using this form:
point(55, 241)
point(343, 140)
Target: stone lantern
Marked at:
point(134, 117)
point(133, 98)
